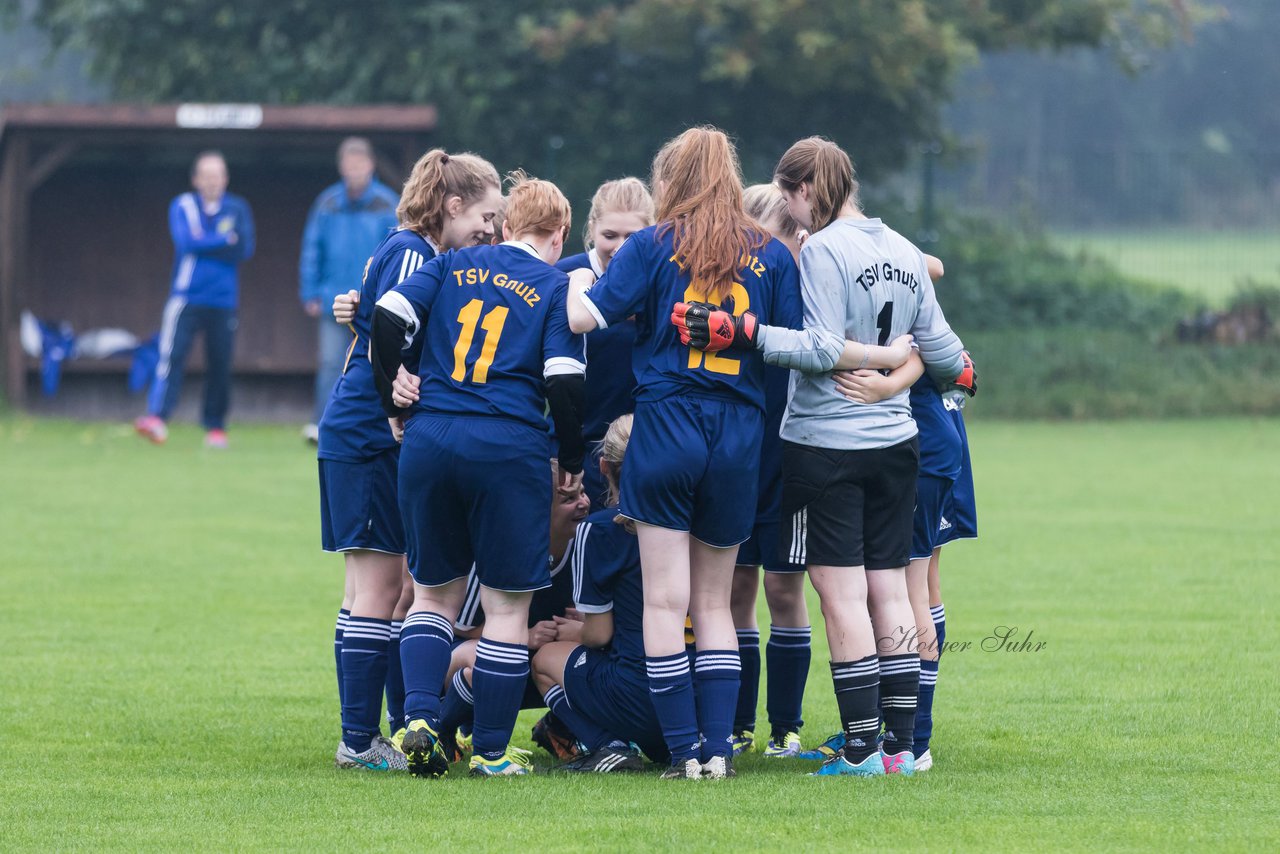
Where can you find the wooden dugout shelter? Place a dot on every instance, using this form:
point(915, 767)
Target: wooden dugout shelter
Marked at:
point(84, 195)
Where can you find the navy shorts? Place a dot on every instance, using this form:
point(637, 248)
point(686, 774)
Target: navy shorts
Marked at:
point(931, 526)
point(964, 505)
point(476, 490)
point(358, 506)
point(614, 698)
point(762, 550)
point(690, 467)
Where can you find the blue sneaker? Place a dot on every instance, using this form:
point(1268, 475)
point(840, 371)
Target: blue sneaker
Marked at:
point(838, 766)
point(829, 748)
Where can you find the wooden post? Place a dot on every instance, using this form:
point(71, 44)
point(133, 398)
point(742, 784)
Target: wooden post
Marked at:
point(13, 239)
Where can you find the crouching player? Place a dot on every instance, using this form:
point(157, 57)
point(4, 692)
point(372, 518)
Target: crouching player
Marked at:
point(600, 688)
point(495, 348)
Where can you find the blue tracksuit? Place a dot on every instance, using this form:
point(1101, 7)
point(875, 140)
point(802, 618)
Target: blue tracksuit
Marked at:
point(209, 245)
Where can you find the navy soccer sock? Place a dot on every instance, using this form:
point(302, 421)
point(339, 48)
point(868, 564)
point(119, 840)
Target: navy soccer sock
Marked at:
point(857, 685)
point(583, 728)
point(426, 641)
point(395, 680)
point(787, 655)
point(749, 686)
point(497, 683)
point(338, 628)
point(924, 707)
point(939, 614)
point(671, 690)
point(459, 705)
point(364, 673)
point(899, 689)
point(716, 675)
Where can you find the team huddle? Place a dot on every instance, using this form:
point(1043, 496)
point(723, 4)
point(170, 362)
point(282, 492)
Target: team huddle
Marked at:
point(584, 462)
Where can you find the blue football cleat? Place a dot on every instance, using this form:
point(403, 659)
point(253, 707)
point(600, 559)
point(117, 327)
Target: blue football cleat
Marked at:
point(826, 750)
point(838, 766)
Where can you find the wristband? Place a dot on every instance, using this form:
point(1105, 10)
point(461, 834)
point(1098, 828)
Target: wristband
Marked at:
point(866, 357)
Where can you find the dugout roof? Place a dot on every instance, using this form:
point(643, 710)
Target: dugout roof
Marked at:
point(84, 194)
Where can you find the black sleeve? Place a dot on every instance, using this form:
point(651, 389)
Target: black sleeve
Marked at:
point(566, 395)
point(385, 355)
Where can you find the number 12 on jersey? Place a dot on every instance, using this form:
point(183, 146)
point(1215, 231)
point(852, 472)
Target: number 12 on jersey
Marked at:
point(492, 325)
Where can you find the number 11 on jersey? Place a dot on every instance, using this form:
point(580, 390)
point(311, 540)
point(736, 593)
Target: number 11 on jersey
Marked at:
point(492, 325)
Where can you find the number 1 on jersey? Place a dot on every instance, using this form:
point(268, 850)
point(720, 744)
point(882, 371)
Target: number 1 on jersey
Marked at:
point(884, 321)
point(492, 325)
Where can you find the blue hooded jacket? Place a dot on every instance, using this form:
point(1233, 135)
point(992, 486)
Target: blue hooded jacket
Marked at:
point(206, 255)
point(340, 236)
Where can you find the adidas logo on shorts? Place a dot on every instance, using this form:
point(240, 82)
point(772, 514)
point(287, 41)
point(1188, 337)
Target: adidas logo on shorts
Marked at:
point(582, 659)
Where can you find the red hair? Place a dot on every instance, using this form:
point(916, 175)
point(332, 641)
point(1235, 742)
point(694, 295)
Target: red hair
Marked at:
point(699, 198)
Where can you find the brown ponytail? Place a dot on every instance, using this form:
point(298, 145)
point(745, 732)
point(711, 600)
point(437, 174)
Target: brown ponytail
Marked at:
point(698, 196)
point(827, 170)
point(437, 177)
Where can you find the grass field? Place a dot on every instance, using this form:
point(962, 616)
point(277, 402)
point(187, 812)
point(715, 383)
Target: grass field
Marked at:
point(168, 682)
point(1208, 263)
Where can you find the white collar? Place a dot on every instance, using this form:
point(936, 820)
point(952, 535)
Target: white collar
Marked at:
point(431, 243)
point(596, 266)
point(527, 247)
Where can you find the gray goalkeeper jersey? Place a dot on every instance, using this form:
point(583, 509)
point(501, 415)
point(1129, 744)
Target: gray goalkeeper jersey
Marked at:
point(864, 282)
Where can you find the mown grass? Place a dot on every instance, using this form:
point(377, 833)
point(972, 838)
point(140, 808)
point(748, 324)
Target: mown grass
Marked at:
point(1210, 264)
point(168, 681)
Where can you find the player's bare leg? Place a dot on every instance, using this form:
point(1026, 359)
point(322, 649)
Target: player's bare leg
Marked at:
point(664, 561)
point(717, 666)
point(895, 630)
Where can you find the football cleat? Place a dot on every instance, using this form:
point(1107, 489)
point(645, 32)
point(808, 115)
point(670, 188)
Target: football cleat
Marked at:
point(899, 763)
point(551, 735)
point(397, 739)
point(381, 756)
point(743, 741)
point(421, 747)
point(838, 766)
point(514, 763)
point(924, 761)
point(718, 768)
point(606, 760)
point(152, 428)
point(826, 750)
point(786, 747)
point(216, 439)
point(690, 769)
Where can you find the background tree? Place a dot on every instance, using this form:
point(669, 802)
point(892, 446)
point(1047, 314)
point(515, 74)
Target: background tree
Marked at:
point(580, 90)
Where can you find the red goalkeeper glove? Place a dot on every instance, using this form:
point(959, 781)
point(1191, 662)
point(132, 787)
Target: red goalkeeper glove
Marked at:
point(711, 329)
point(967, 382)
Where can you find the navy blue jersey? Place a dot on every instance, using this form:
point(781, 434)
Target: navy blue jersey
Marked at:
point(611, 384)
point(644, 280)
point(546, 603)
point(495, 326)
point(941, 445)
point(354, 426)
point(606, 577)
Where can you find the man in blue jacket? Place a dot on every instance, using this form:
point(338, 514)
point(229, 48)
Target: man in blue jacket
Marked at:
point(212, 233)
point(347, 222)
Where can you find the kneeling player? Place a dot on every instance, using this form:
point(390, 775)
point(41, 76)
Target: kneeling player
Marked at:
point(600, 687)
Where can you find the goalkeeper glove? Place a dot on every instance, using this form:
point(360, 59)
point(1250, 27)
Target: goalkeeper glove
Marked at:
point(711, 329)
point(967, 382)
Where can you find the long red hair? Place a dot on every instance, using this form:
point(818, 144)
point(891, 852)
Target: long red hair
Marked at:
point(698, 197)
